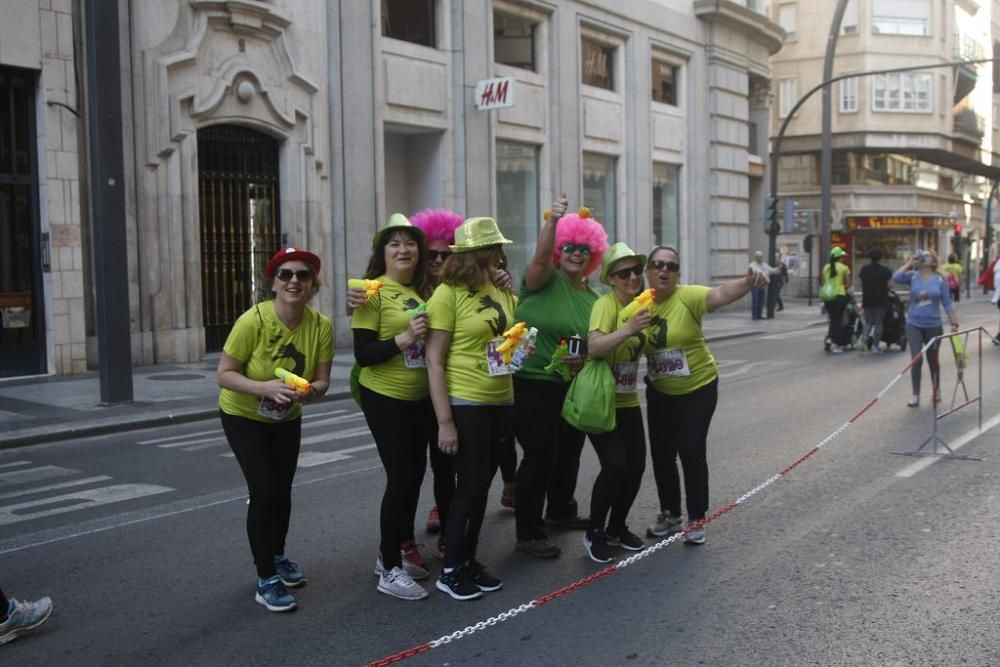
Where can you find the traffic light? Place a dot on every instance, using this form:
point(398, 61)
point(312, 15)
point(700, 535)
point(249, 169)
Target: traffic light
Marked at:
point(771, 215)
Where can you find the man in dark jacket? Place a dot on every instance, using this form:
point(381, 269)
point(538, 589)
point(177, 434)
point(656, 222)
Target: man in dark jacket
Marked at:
point(875, 299)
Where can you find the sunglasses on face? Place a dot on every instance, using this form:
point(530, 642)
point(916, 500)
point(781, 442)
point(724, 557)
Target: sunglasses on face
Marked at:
point(285, 275)
point(571, 248)
point(659, 265)
point(628, 271)
point(433, 255)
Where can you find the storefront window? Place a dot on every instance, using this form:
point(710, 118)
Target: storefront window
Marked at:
point(599, 188)
point(666, 205)
point(518, 211)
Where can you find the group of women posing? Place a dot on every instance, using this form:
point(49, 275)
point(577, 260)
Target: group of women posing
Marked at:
point(431, 379)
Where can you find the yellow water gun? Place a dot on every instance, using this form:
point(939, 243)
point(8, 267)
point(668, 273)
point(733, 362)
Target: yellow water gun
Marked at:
point(512, 339)
point(642, 300)
point(300, 384)
point(371, 287)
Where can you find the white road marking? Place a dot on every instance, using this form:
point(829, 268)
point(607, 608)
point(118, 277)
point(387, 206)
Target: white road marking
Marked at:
point(315, 415)
point(171, 438)
point(79, 500)
point(311, 459)
point(958, 443)
point(217, 440)
point(801, 333)
point(14, 464)
point(53, 487)
point(337, 420)
point(33, 475)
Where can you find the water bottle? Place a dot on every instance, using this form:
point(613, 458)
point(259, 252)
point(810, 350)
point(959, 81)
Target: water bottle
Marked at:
point(521, 353)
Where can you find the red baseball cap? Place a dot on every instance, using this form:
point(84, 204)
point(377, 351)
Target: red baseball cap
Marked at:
point(290, 255)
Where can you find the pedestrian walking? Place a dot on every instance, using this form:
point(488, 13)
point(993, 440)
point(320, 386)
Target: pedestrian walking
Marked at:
point(929, 293)
point(952, 272)
point(262, 415)
point(758, 295)
point(875, 279)
point(682, 387)
point(471, 390)
point(836, 279)
point(389, 333)
point(996, 295)
point(556, 299)
point(781, 279)
point(19, 617)
point(622, 451)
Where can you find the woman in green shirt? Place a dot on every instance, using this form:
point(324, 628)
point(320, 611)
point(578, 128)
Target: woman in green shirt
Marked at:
point(953, 273)
point(389, 346)
point(622, 451)
point(262, 416)
point(682, 387)
point(471, 390)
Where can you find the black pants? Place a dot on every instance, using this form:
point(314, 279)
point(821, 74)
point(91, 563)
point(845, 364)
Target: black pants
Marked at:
point(400, 429)
point(268, 455)
point(481, 430)
point(551, 459)
point(678, 426)
point(508, 460)
point(444, 475)
point(835, 309)
point(622, 453)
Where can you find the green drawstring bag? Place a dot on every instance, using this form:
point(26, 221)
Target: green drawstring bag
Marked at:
point(590, 401)
point(828, 292)
point(355, 383)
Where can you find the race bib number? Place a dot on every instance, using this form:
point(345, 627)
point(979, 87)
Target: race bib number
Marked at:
point(494, 359)
point(272, 410)
point(626, 373)
point(667, 363)
point(413, 356)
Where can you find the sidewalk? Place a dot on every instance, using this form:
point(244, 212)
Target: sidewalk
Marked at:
point(41, 408)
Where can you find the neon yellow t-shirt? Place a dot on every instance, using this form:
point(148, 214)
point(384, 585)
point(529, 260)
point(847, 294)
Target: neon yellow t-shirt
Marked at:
point(840, 279)
point(403, 376)
point(677, 357)
point(476, 321)
point(953, 268)
point(262, 343)
point(606, 317)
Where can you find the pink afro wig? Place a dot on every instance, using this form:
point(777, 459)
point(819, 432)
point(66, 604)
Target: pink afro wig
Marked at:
point(581, 228)
point(437, 224)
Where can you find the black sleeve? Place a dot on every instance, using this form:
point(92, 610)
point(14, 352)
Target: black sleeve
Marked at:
point(369, 350)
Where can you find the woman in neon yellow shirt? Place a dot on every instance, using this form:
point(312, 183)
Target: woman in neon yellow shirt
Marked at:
point(682, 387)
point(840, 274)
point(389, 346)
point(471, 390)
point(262, 416)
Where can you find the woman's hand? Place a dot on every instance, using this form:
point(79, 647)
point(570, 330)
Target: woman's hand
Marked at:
point(448, 438)
point(559, 207)
point(502, 279)
point(574, 362)
point(279, 392)
point(755, 278)
point(639, 321)
point(356, 297)
point(417, 330)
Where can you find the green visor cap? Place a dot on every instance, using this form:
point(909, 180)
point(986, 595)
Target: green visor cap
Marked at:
point(615, 253)
point(397, 221)
point(837, 252)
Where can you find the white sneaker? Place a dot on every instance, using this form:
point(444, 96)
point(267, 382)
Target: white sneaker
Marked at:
point(664, 525)
point(412, 569)
point(694, 535)
point(399, 584)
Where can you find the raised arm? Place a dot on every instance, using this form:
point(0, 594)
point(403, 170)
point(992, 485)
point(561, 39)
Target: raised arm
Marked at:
point(540, 267)
point(733, 290)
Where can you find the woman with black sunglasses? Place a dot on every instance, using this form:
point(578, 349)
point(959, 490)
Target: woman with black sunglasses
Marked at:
point(555, 299)
point(682, 387)
point(262, 416)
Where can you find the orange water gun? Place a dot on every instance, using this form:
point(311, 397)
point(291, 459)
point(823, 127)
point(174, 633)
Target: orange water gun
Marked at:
point(512, 339)
point(371, 287)
point(300, 384)
point(642, 300)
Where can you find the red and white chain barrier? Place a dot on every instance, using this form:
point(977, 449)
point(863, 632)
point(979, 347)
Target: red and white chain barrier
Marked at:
point(648, 551)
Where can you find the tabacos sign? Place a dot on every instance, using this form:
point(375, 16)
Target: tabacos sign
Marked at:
point(495, 93)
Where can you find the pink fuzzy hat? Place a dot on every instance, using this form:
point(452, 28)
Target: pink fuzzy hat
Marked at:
point(581, 228)
point(437, 224)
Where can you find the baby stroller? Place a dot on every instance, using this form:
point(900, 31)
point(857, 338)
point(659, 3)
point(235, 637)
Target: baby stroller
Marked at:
point(853, 326)
point(894, 324)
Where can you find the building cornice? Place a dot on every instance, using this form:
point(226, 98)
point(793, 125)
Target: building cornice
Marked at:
point(753, 24)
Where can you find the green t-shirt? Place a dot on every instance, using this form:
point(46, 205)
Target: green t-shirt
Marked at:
point(262, 343)
point(558, 311)
point(954, 269)
point(476, 321)
point(403, 376)
point(606, 317)
point(677, 357)
point(840, 279)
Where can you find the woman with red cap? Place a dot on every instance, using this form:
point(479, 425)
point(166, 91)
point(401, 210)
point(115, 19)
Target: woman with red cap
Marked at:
point(262, 415)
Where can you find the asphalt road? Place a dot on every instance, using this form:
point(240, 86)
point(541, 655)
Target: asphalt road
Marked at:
point(856, 557)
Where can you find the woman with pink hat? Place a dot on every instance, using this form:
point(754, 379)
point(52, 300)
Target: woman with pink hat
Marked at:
point(262, 415)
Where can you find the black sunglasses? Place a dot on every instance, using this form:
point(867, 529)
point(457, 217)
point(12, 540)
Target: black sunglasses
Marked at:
point(285, 275)
point(432, 255)
point(659, 265)
point(570, 248)
point(635, 270)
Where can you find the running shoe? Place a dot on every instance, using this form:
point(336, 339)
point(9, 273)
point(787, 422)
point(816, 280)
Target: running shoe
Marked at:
point(23, 617)
point(666, 524)
point(694, 535)
point(483, 580)
point(596, 544)
point(288, 571)
point(272, 594)
point(627, 540)
point(539, 548)
point(434, 521)
point(410, 551)
point(412, 569)
point(458, 584)
point(397, 583)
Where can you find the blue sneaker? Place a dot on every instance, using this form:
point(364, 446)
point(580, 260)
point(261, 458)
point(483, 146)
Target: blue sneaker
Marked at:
point(23, 617)
point(289, 572)
point(272, 594)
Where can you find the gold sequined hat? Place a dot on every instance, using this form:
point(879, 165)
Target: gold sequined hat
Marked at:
point(615, 253)
point(476, 233)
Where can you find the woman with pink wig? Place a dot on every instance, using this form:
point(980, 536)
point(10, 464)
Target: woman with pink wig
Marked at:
point(555, 299)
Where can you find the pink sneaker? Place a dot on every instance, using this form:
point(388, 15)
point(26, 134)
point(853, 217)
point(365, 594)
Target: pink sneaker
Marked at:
point(433, 521)
point(411, 552)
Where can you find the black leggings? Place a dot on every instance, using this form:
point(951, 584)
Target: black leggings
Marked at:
point(508, 460)
point(400, 430)
point(678, 425)
point(444, 476)
point(268, 454)
point(835, 309)
point(481, 430)
point(622, 453)
point(551, 456)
